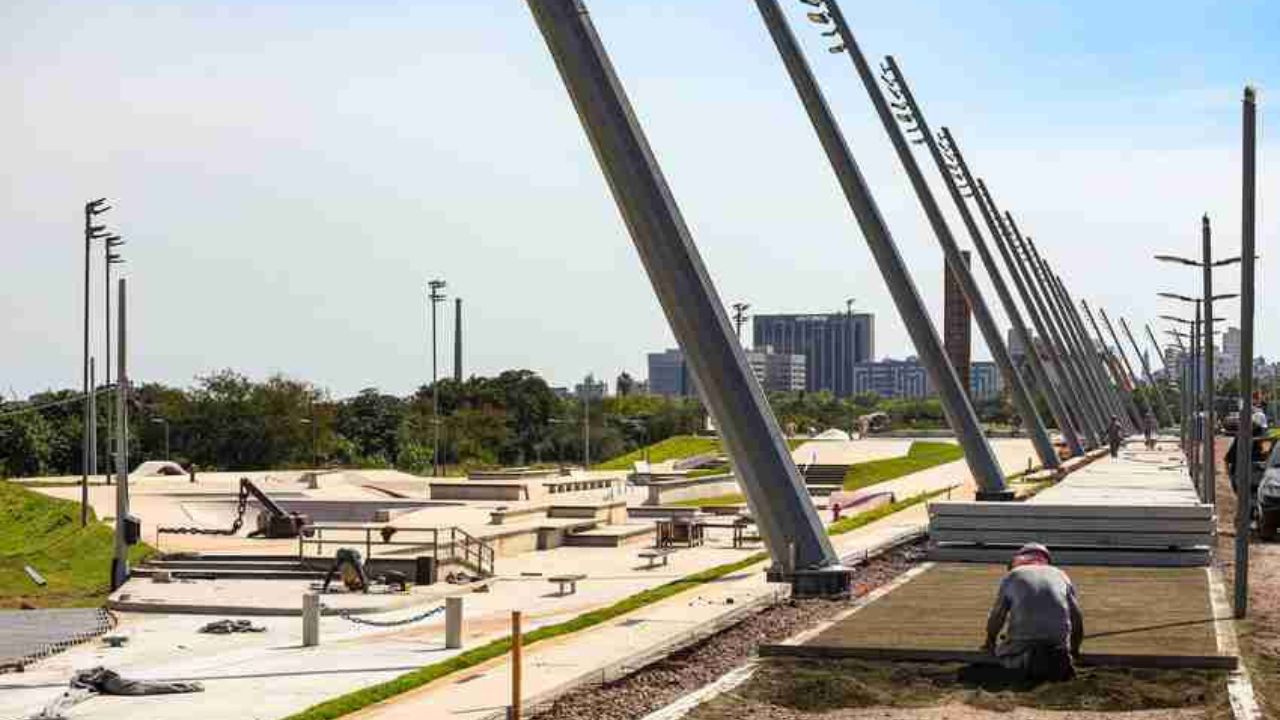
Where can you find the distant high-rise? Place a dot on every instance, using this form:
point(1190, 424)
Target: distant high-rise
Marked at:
point(669, 375)
point(831, 343)
point(956, 328)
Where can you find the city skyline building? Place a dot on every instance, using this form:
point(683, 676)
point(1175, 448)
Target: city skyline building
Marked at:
point(831, 343)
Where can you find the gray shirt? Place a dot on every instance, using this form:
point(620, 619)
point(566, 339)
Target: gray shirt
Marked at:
point(1038, 601)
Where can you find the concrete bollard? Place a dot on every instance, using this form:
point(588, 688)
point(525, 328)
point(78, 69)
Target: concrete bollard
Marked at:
point(310, 620)
point(453, 623)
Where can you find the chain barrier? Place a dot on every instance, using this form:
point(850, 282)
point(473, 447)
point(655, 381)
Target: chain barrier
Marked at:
point(346, 615)
point(242, 504)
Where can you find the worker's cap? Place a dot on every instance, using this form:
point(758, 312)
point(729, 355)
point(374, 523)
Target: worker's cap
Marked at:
point(1032, 550)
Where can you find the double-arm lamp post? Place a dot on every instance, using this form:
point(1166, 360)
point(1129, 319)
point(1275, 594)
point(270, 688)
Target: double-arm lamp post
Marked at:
point(1206, 460)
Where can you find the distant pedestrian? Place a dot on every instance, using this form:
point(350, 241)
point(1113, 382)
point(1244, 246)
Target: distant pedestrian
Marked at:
point(1114, 435)
point(1149, 427)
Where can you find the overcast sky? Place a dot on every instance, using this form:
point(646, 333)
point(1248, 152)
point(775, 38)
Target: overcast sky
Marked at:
point(290, 174)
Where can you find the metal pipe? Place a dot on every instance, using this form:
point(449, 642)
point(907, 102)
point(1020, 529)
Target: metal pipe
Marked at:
point(1092, 357)
point(1146, 366)
point(959, 268)
point(1023, 335)
point(955, 401)
point(754, 442)
point(1197, 398)
point(1093, 409)
point(1041, 271)
point(1244, 440)
point(1113, 364)
point(1071, 392)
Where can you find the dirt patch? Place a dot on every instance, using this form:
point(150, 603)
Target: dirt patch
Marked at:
point(1259, 634)
point(837, 689)
point(659, 684)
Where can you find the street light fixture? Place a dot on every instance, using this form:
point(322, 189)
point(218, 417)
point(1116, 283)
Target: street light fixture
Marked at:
point(162, 421)
point(92, 232)
point(435, 297)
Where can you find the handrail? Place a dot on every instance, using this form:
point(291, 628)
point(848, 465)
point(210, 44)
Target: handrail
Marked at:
point(461, 546)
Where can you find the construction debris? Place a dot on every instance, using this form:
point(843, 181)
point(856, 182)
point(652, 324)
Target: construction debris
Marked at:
point(228, 627)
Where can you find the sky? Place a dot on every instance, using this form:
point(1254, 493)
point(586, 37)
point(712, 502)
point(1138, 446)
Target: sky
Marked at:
point(289, 175)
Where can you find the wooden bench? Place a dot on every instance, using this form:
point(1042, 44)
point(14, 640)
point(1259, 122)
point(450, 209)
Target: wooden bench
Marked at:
point(654, 555)
point(566, 581)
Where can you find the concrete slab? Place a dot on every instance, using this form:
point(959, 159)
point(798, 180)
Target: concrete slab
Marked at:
point(1139, 617)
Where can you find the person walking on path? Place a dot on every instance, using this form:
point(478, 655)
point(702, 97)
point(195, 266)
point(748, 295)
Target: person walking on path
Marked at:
point(1149, 430)
point(1114, 435)
point(1037, 608)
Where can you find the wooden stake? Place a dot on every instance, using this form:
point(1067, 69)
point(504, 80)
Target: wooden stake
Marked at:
point(516, 651)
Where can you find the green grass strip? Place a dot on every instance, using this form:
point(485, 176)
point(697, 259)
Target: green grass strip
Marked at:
point(922, 456)
point(676, 447)
point(45, 533)
point(360, 699)
point(854, 522)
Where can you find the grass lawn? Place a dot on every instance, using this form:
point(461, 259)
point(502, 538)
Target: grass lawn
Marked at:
point(922, 456)
point(676, 447)
point(45, 533)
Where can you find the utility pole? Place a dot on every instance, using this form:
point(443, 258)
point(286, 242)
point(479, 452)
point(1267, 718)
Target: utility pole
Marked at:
point(1210, 378)
point(120, 560)
point(110, 259)
point(752, 438)
point(91, 232)
point(435, 297)
point(739, 317)
point(1244, 439)
point(956, 174)
point(457, 341)
point(92, 400)
point(955, 400)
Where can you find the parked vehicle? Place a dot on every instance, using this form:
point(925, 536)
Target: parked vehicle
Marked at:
point(1264, 484)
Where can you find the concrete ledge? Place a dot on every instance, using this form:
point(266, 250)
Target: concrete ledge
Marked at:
point(1195, 557)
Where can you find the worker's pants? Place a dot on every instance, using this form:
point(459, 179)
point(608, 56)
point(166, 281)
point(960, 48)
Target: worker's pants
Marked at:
point(1038, 662)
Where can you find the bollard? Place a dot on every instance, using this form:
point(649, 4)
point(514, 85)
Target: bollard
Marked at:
point(310, 620)
point(453, 623)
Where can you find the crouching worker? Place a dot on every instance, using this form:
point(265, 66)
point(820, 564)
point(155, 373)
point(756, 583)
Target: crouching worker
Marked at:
point(1044, 623)
point(348, 562)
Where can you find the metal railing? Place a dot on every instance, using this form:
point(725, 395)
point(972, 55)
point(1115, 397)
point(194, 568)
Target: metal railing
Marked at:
point(450, 544)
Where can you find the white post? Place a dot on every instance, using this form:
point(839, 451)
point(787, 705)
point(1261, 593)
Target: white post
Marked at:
point(310, 619)
point(453, 623)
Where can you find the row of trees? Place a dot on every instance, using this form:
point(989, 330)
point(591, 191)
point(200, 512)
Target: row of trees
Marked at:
point(227, 421)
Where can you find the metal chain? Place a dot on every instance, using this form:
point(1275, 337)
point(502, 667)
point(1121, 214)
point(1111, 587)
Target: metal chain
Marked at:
point(241, 505)
point(106, 621)
point(346, 615)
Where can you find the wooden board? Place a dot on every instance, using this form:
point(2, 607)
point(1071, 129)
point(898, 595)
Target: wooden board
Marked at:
point(1150, 613)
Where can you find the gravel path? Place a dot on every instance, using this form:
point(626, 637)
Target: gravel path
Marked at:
point(659, 684)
